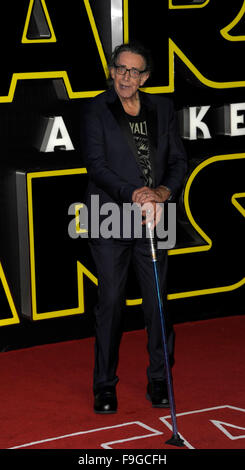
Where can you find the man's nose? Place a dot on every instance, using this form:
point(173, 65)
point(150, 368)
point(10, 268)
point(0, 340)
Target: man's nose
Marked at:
point(127, 75)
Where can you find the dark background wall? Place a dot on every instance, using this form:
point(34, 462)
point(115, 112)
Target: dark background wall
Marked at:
point(58, 61)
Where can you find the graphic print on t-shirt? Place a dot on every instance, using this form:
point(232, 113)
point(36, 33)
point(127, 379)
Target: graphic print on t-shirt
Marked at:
point(139, 130)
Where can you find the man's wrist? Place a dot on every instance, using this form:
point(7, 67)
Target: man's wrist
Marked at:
point(166, 188)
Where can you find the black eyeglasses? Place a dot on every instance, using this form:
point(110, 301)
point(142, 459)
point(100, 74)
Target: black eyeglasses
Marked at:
point(134, 73)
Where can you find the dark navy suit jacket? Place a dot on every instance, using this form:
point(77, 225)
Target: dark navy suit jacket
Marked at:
point(110, 151)
point(111, 155)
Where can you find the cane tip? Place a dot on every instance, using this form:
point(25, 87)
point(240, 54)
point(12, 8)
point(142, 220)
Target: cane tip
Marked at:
point(176, 440)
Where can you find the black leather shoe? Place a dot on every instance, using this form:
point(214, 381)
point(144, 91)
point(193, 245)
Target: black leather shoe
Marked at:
point(157, 393)
point(105, 401)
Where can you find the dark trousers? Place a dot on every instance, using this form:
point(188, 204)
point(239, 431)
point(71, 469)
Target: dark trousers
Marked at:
point(112, 258)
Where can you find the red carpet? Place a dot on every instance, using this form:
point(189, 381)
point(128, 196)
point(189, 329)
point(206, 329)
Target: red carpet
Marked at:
point(46, 399)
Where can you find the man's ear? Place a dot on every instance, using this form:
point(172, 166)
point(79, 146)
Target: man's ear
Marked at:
point(144, 77)
point(112, 72)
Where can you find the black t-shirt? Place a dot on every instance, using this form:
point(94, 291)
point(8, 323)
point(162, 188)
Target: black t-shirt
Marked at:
point(138, 125)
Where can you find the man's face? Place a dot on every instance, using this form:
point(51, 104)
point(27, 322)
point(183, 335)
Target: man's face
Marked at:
point(126, 86)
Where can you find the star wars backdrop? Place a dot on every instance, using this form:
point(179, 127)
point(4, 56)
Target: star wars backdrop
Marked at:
point(56, 58)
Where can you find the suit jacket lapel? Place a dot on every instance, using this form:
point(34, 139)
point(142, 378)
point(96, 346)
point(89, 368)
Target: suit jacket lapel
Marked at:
point(152, 127)
point(118, 113)
point(151, 118)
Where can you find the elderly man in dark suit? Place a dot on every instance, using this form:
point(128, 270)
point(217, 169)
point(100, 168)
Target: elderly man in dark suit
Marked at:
point(133, 155)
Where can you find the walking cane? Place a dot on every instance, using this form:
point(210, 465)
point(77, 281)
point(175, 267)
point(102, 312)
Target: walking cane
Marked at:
point(175, 440)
